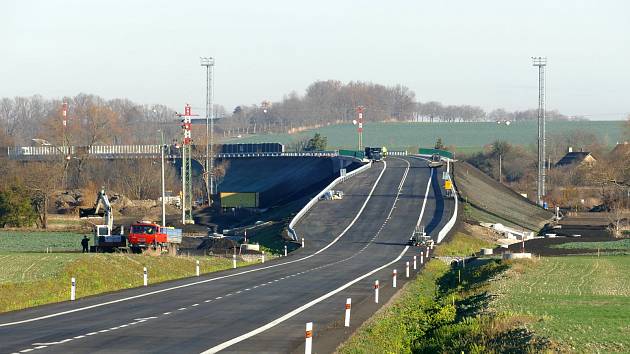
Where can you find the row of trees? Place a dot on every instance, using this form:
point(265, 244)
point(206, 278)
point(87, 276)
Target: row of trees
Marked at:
point(331, 101)
point(90, 120)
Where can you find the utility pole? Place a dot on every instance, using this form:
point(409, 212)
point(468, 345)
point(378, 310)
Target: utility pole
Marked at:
point(208, 62)
point(541, 63)
point(163, 192)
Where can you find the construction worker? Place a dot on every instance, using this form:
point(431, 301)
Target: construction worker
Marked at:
point(84, 242)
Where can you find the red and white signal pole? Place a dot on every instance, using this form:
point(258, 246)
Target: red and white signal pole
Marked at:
point(360, 110)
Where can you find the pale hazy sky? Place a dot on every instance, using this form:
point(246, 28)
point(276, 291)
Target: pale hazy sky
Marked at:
point(457, 52)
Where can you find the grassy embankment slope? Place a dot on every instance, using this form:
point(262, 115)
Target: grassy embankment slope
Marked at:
point(29, 278)
point(467, 137)
point(563, 304)
point(489, 201)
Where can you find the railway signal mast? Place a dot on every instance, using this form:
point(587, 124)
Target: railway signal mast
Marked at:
point(187, 166)
point(541, 63)
point(359, 123)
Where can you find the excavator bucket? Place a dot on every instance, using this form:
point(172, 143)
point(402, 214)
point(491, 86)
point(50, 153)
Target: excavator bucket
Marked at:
point(85, 213)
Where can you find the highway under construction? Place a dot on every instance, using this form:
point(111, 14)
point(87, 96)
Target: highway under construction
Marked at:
point(349, 244)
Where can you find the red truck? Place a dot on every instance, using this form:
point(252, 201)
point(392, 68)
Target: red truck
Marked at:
point(143, 234)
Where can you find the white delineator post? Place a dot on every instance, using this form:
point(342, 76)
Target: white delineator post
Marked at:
point(427, 253)
point(73, 289)
point(421, 257)
point(263, 257)
point(346, 322)
point(308, 345)
point(285, 250)
point(234, 261)
point(415, 263)
point(407, 270)
point(197, 268)
point(145, 277)
point(394, 274)
point(302, 242)
point(376, 286)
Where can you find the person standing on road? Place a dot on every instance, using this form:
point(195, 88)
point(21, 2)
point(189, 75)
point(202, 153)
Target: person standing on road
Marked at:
point(84, 242)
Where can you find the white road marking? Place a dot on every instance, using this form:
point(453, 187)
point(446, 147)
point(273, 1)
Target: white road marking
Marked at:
point(319, 299)
point(181, 309)
point(193, 305)
point(167, 313)
point(207, 300)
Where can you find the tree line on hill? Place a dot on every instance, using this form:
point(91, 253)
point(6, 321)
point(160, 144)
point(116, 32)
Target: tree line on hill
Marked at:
point(93, 120)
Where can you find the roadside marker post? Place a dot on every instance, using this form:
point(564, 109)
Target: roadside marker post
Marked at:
point(376, 291)
point(263, 257)
point(234, 261)
point(421, 257)
point(407, 270)
point(427, 253)
point(285, 250)
point(415, 264)
point(308, 345)
point(73, 289)
point(394, 278)
point(348, 307)
point(302, 242)
point(145, 277)
point(197, 268)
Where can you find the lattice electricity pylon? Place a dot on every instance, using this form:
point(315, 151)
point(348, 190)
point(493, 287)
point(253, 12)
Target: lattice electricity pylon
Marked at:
point(187, 166)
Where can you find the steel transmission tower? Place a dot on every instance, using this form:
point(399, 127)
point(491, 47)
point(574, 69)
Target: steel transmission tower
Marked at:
point(208, 62)
point(187, 167)
point(541, 63)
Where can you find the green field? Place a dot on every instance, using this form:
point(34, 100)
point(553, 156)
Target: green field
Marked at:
point(31, 279)
point(607, 245)
point(468, 137)
point(18, 241)
point(581, 302)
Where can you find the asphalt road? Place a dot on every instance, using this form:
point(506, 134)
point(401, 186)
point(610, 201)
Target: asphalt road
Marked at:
point(349, 244)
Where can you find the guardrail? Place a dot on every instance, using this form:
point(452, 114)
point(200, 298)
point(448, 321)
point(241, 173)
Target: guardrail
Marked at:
point(449, 225)
point(312, 202)
point(397, 153)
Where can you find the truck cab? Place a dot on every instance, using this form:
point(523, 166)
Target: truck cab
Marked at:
point(143, 234)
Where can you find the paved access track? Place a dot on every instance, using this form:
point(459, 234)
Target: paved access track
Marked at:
point(349, 244)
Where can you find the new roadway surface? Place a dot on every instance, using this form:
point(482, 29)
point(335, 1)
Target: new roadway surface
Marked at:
point(349, 244)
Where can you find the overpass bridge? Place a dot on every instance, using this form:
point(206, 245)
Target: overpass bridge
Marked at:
point(110, 152)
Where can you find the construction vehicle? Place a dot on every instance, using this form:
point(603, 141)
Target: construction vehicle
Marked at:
point(436, 161)
point(374, 153)
point(104, 240)
point(143, 234)
point(332, 195)
point(420, 238)
point(147, 234)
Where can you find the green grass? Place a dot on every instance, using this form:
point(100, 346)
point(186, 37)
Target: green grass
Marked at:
point(462, 244)
point(470, 136)
point(606, 245)
point(30, 279)
point(582, 302)
point(270, 239)
point(394, 328)
point(22, 241)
